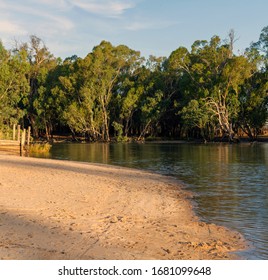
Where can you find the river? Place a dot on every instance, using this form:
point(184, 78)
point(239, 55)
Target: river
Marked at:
point(229, 182)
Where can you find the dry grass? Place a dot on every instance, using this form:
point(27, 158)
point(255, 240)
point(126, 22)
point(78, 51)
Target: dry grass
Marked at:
point(39, 148)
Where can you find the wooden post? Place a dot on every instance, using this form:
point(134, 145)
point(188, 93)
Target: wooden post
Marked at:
point(14, 132)
point(19, 133)
point(19, 139)
point(29, 136)
point(23, 137)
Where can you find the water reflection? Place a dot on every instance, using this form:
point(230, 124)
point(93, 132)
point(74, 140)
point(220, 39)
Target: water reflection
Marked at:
point(230, 181)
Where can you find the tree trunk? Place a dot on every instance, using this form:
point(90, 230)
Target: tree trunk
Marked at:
point(106, 127)
point(144, 130)
point(33, 125)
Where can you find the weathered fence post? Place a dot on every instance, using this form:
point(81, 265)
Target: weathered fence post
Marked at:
point(29, 136)
point(19, 139)
point(18, 132)
point(14, 132)
point(23, 137)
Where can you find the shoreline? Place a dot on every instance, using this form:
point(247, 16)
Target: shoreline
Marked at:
point(54, 209)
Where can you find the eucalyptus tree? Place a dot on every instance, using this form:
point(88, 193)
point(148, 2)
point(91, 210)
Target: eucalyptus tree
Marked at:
point(215, 76)
point(110, 67)
point(41, 63)
point(262, 45)
point(95, 86)
point(254, 94)
point(125, 102)
point(13, 86)
point(154, 99)
point(127, 92)
point(254, 105)
point(80, 112)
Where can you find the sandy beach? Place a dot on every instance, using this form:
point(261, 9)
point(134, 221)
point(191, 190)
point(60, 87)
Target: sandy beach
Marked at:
point(53, 209)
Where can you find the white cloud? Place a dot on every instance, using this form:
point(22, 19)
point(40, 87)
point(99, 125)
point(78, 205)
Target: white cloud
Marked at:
point(145, 25)
point(50, 22)
point(135, 26)
point(10, 28)
point(107, 8)
point(66, 26)
point(40, 15)
point(60, 23)
point(61, 3)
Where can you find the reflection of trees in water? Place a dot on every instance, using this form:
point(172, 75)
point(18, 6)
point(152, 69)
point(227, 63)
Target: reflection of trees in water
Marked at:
point(265, 149)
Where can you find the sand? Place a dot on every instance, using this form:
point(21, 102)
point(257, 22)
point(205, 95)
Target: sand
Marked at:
point(52, 209)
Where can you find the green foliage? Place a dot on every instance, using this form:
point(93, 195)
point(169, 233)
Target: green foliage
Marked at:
point(13, 86)
point(253, 99)
point(194, 115)
point(119, 132)
point(203, 92)
point(214, 79)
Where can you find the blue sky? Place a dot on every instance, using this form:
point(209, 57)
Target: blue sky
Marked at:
point(154, 27)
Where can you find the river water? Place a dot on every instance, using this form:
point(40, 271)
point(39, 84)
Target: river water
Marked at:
point(229, 182)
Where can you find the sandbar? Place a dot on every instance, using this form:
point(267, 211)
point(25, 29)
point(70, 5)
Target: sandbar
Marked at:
point(64, 210)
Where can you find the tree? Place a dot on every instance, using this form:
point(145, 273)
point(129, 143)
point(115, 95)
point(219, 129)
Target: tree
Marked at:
point(13, 86)
point(94, 85)
point(262, 46)
point(41, 63)
point(79, 110)
point(155, 98)
point(126, 102)
point(254, 94)
point(109, 65)
point(215, 76)
point(196, 116)
point(254, 105)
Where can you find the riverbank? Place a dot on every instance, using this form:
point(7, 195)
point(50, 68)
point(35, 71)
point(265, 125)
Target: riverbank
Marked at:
point(79, 139)
point(53, 209)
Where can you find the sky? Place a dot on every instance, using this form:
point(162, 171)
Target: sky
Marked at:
point(153, 27)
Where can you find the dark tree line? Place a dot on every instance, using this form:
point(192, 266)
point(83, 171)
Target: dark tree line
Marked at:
point(203, 93)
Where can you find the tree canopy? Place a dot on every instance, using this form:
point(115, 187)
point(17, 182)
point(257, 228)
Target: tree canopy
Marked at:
point(205, 92)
